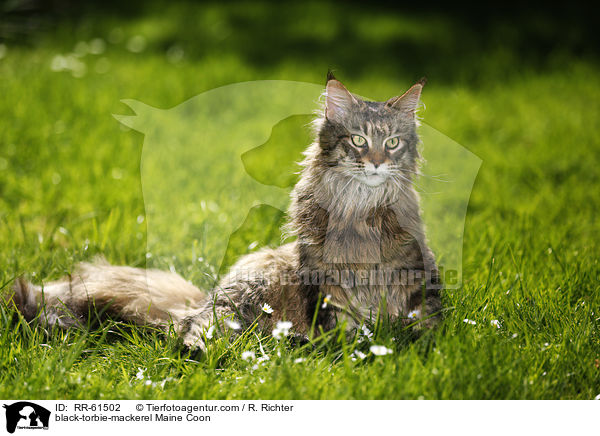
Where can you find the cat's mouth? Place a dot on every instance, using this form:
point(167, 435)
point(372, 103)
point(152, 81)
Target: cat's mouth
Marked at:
point(372, 179)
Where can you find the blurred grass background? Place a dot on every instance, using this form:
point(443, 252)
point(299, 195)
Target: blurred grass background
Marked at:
point(518, 85)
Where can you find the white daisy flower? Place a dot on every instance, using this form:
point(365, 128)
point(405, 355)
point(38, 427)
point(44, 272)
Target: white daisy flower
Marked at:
point(358, 354)
point(414, 314)
point(248, 355)
point(469, 321)
point(267, 309)
point(326, 301)
point(210, 332)
point(140, 374)
point(262, 359)
point(278, 333)
point(495, 323)
point(282, 329)
point(233, 325)
point(380, 350)
point(286, 325)
point(368, 333)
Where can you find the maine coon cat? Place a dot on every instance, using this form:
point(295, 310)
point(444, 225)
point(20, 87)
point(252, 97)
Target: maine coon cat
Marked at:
point(360, 251)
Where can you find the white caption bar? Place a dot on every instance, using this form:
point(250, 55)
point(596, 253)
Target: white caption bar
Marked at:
point(268, 417)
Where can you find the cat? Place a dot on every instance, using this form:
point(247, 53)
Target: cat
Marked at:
point(360, 250)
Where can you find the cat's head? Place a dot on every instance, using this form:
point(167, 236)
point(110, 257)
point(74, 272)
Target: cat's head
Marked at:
point(373, 142)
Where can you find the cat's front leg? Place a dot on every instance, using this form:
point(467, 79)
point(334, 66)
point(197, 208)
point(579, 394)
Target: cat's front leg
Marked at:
point(424, 302)
point(201, 324)
point(195, 328)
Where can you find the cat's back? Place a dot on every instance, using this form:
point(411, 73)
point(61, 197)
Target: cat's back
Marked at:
point(267, 260)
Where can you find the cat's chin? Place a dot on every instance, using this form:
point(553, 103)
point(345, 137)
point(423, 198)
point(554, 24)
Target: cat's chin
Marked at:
point(372, 180)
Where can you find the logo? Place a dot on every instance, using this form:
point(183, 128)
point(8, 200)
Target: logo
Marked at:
point(251, 135)
point(26, 415)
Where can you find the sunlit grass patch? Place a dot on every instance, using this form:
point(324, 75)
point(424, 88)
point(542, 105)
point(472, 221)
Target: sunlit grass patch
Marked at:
point(525, 323)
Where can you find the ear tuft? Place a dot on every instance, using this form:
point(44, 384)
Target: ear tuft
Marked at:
point(330, 76)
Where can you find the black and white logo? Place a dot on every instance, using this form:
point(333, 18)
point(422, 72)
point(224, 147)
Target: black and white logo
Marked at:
point(26, 415)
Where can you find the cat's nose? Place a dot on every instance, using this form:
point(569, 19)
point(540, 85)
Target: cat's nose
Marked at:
point(376, 159)
point(375, 167)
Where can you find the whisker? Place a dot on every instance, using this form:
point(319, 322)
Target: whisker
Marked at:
point(438, 177)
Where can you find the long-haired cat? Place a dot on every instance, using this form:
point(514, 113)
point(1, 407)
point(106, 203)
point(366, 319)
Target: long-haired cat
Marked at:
point(360, 250)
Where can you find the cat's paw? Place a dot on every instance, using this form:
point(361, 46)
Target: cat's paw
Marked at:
point(194, 342)
point(195, 329)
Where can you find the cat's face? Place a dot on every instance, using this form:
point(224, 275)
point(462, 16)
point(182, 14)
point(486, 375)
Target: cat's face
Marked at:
point(373, 142)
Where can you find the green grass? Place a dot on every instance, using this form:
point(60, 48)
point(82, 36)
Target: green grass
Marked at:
point(70, 188)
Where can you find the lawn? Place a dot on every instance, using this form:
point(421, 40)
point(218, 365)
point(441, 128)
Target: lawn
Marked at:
point(524, 98)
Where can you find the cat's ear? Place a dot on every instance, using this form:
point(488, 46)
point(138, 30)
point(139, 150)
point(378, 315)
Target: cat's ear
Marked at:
point(408, 102)
point(338, 99)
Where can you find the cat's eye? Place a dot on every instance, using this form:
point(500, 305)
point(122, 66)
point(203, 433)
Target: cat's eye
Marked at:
point(358, 141)
point(392, 143)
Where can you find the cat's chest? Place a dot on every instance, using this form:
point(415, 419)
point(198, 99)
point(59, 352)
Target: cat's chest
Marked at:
point(373, 239)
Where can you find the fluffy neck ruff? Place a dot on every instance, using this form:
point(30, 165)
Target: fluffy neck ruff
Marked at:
point(345, 197)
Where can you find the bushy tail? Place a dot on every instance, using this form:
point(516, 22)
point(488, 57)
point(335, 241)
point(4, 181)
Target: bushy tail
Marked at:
point(144, 297)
